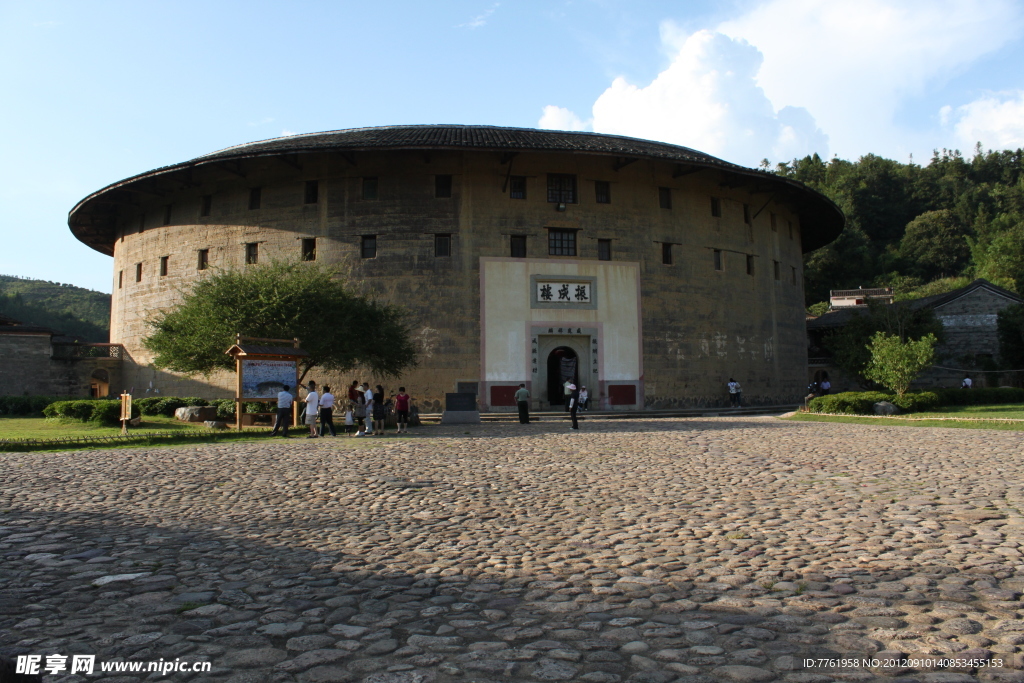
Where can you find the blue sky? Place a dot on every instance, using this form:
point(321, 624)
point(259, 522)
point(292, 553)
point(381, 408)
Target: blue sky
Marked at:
point(94, 92)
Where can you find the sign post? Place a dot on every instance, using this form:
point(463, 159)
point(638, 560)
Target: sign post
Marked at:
point(126, 412)
point(263, 370)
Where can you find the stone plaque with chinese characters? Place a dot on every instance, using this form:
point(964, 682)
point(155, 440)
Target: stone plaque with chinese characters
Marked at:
point(554, 291)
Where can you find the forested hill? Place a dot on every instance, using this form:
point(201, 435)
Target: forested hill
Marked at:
point(70, 310)
point(923, 229)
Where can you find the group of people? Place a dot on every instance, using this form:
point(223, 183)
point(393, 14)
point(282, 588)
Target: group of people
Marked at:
point(366, 410)
point(575, 400)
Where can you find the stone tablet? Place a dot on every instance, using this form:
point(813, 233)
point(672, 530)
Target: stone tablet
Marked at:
point(460, 402)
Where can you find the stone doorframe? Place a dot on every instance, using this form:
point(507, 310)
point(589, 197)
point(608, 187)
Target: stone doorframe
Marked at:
point(545, 339)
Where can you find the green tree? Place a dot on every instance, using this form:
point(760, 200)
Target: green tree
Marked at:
point(934, 245)
point(895, 363)
point(849, 344)
point(338, 329)
point(1010, 325)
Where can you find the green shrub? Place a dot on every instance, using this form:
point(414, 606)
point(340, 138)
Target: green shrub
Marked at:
point(24, 405)
point(975, 397)
point(848, 402)
point(225, 407)
point(195, 401)
point(147, 405)
point(916, 402)
point(100, 411)
point(168, 405)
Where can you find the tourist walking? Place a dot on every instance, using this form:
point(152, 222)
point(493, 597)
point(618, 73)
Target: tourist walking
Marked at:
point(826, 386)
point(353, 391)
point(380, 411)
point(574, 405)
point(312, 408)
point(735, 393)
point(523, 402)
point(327, 412)
point(284, 409)
point(350, 419)
point(368, 407)
point(402, 410)
point(567, 391)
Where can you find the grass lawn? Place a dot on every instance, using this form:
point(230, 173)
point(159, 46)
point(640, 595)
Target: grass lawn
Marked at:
point(55, 428)
point(993, 413)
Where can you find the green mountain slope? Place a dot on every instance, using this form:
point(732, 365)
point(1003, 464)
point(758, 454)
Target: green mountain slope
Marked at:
point(65, 308)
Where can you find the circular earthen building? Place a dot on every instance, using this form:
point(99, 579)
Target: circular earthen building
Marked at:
point(650, 273)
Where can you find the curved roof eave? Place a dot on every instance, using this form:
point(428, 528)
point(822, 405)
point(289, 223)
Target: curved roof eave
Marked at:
point(816, 209)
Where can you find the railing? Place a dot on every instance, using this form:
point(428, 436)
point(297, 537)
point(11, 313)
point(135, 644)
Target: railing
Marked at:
point(80, 351)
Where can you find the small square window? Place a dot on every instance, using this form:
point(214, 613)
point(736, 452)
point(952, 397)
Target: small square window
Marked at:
point(312, 194)
point(138, 272)
point(309, 249)
point(255, 198)
point(205, 205)
point(777, 267)
point(604, 250)
point(370, 188)
point(203, 261)
point(561, 188)
point(442, 245)
point(716, 207)
point(443, 186)
point(746, 214)
point(163, 265)
point(665, 197)
point(561, 242)
point(252, 253)
point(518, 246)
point(750, 264)
point(603, 192)
point(774, 222)
point(167, 214)
point(517, 187)
point(120, 279)
point(666, 253)
point(368, 247)
point(718, 259)
point(792, 271)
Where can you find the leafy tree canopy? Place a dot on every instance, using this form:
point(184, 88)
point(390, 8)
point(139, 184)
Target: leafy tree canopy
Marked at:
point(895, 363)
point(338, 329)
point(849, 345)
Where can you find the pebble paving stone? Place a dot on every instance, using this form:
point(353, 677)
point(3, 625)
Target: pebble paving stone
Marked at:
point(634, 551)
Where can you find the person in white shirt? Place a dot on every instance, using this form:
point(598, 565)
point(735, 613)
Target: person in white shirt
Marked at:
point(312, 408)
point(284, 409)
point(584, 398)
point(967, 383)
point(368, 395)
point(327, 412)
point(735, 393)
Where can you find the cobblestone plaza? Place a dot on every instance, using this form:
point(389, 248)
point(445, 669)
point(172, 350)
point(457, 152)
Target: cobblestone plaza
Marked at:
point(717, 549)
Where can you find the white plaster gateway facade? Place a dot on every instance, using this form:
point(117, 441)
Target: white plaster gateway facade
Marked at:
point(534, 312)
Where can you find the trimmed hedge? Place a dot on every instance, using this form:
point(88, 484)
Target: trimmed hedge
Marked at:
point(848, 402)
point(88, 410)
point(863, 402)
point(25, 405)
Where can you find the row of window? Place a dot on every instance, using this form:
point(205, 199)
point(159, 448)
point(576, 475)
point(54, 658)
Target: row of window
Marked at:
point(561, 190)
point(561, 242)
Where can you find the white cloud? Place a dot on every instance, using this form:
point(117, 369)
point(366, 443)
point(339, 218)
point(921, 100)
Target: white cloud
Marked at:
point(791, 77)
point(996, 121)
point(707, 99)
point(853, 63)
point(285, 133)
point(480, 19)
point(560, 118)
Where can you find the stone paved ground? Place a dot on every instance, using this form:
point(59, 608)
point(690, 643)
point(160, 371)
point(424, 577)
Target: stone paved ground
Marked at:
point(651, 551)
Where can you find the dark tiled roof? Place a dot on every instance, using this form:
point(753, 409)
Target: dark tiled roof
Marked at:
point(821, 220)
point(842, 316)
